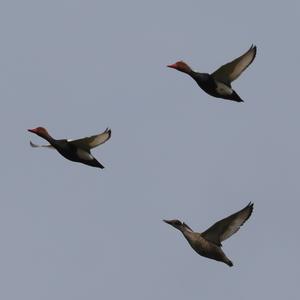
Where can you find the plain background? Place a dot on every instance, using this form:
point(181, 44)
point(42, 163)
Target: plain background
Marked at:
point(69, 231)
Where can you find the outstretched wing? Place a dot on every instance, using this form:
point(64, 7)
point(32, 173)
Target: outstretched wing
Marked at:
point(92, 141)
point(231, 71)
point(38, 146)
point(225, 228)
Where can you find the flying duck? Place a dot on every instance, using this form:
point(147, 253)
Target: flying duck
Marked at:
point(208, 243)
point(74, 150)
point(218, 84)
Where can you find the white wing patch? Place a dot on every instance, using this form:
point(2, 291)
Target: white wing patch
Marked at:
point(84, 154)
point(223, 89)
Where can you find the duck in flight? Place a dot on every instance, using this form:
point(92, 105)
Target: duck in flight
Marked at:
point(218, 84)
point(74, 150)
point(208, 243)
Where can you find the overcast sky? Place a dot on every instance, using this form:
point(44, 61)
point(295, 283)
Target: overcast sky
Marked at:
point(72, 232)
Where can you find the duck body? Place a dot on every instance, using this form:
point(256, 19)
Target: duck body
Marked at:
point(74, 150)
point(206, 248)
point(215, 88)
point(76, 154)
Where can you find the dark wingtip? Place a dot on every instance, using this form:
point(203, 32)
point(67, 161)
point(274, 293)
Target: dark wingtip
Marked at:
point(108, 131)
point(255, 50)
point(250, 207)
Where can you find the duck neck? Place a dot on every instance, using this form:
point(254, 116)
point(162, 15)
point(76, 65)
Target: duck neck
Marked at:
point(198, 76)
point(49, 138)
point(185, 229)
point(188, 234)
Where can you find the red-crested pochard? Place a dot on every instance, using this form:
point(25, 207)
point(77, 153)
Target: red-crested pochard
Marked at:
point(74, 150)
point(218, 84)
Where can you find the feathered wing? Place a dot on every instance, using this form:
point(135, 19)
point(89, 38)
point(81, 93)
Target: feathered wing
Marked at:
point(225, 228)
point(92, 141)
point(38, 146)
point(232, 70)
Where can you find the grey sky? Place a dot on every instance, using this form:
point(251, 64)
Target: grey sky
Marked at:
point(69, 231)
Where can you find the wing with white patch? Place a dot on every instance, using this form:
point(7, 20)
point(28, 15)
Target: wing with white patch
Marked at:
point(223, 89)
point(38, 146)
point(225, 228)
point(231, 71)
point(92, 141)
point(85, 155)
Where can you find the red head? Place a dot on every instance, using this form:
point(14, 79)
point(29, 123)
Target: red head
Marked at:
point(41, 131)
point(181, 66)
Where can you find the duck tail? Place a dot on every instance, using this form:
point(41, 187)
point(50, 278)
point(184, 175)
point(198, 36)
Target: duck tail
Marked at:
point(95, 163)
point(235, 97)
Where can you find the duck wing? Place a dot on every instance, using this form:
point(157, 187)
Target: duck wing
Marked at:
point(225, 228)
point(93, 141)
point(38, 146)
point(232, 70)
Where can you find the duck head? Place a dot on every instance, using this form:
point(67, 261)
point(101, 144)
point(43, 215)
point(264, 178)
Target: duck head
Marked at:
point(178, 225)
point(41, 131)
point(181, 66)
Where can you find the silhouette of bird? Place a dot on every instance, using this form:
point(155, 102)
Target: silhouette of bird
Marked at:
point(208, 243)
point(74, 150)
point(218, 84)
